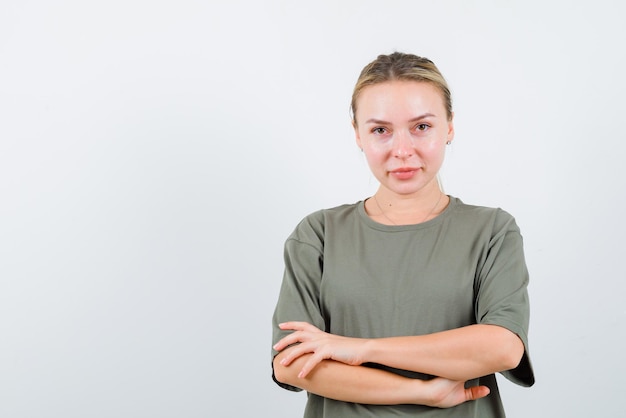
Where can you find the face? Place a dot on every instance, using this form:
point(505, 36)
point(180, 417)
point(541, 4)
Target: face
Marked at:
point(402, 128)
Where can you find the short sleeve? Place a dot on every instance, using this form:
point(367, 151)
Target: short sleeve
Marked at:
point(501, 290)
point(300, 290)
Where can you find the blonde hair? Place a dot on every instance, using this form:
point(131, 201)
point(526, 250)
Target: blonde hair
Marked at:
point(401, 67)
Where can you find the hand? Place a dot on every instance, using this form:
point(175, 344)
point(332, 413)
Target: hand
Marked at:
point(321, 344)
point(448, 393)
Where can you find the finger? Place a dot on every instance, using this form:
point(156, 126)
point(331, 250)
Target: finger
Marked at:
point(476, 392)
point(313, 361)
point(293, 338)
point(287, 341)
point(295, 352)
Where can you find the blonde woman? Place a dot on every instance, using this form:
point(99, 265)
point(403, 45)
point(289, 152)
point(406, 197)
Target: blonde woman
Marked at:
point(407, 303)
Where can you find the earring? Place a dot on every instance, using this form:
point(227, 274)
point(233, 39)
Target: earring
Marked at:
point(448, 142)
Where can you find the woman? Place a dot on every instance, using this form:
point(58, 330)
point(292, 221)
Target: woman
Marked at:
point(407, 303)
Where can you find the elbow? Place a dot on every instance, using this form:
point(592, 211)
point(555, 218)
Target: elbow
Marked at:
point(281, 373)
point(512, 353)
point(286, 375)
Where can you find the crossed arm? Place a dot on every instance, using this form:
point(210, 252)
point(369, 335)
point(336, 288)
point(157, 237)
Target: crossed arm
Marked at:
point(330, 365)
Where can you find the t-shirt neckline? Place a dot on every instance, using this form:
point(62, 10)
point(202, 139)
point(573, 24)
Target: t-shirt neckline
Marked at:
point(398, 228)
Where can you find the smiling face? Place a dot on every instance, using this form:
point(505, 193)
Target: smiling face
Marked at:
point(402, 127)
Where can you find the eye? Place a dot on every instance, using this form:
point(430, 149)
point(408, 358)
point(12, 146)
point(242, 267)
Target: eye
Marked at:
point(379, 130)
point(422, 127)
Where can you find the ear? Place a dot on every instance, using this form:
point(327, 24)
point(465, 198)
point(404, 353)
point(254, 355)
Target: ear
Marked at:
point(356, 135)
point(450, 135)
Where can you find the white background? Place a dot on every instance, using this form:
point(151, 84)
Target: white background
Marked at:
point(155, 155)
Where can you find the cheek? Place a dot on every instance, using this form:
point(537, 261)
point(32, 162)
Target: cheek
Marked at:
point(380, 148)
point(435, 147)
point(376, 163)
point(437, 154)
point(375, 155)
point(432, 155)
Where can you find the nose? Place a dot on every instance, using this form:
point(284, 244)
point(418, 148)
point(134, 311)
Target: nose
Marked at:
point(403, 145)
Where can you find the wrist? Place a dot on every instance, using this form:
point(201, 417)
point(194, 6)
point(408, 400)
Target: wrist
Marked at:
point(419, 392)
point(368, 350)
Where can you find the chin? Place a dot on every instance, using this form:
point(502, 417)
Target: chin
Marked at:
point(405, 190)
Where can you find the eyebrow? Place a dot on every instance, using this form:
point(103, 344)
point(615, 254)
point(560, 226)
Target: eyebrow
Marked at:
point(415, 119)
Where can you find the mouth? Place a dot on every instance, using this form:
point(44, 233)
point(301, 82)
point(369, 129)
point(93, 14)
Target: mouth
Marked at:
point(404, 173)
point(404, 169)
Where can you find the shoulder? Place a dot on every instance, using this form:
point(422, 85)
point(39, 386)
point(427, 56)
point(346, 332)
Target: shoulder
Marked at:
point(495, 219)
point(311, 229)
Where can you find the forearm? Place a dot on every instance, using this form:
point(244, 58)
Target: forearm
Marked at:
point(458, 354)
point(358, 384)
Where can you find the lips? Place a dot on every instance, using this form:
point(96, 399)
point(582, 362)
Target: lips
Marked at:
point(404, 173)
point(404, 169)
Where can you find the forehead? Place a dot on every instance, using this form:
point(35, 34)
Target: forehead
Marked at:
point(396, 98)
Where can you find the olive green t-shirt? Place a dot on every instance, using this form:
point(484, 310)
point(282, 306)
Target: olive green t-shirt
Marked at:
point(351, 276)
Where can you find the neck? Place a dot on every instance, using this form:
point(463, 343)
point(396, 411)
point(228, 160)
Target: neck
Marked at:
point(393, 209)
